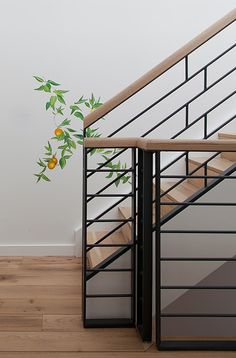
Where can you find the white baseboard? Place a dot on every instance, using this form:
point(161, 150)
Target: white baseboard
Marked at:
point(38, 250)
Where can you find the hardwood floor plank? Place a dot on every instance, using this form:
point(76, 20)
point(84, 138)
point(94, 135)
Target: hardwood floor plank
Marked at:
point(29, 277)
point(38, 306)
point(40, 291)
point(41, 259)
point(95, 340)
point(64, 323)
point(31, 323)
point(152, 354)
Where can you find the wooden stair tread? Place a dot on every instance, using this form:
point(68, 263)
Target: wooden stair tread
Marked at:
point(217, 165)
point(180, 193)
point(227, 136)
point(99, 254)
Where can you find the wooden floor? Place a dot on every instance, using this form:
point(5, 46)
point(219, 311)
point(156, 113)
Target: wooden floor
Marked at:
point(40, 316)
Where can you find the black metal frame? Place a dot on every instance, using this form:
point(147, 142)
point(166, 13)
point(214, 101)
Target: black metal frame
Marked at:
point(141, 246)
point(144, 247)
point(187, 344)
point(88, 272)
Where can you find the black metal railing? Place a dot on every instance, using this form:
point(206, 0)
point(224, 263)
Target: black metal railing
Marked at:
point(166, 338)
point(140, 272)
point(90, 272)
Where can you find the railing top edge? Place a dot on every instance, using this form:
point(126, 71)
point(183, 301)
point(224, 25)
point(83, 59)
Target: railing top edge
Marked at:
point(162, 144)
point(160, 68)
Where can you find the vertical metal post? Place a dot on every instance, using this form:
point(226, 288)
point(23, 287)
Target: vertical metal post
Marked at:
point(133, 233)
point(205, 88)
point(158, 246)
point(84, 235)
point(145, 231)
point(205, 125)
point(139, 241)
point(186, 115)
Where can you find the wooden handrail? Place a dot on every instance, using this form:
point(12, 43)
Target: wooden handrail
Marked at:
point(160, 69)
point(163, 144)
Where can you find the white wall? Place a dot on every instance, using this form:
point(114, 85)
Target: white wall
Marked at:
point(91, 45)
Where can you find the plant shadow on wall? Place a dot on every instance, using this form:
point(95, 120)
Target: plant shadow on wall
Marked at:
point(68, 133)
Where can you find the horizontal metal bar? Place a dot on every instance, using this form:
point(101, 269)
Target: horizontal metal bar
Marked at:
point(90, 221)
point(198, 231)
point(108, 323)
point(197, 176)
point(110, 170)
point(188, 287)
point(190, 203)
point(198, 259)
point(110, 270)
point(108, 245)
point(111, 295)
point(109, 195)
point(198, 344)
point(196, 315)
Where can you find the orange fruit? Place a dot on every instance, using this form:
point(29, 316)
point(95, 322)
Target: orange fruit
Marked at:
point(58, 132)
point(54, 160)
point(51, 165)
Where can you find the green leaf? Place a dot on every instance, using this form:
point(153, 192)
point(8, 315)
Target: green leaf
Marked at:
point(87, 104)
point(125, 179)
point(62, 162)
point(47, 88)
point(39, 79)
point(96, 105)
point(93, 151)
point(109, 175)
point(71, 130)
point(60, 92)
point(41, 164)
point(48, 105)
point(117, 182)
point(53, 100)
point(45, 178)
point(41, 88)
point(53, 83)
point(81, 100)
point(79, 115)
point(61, 99)
point(60, 110)
point(66, 122)
point(80, 136)
point(73, 108)
point(38, 176)
point(72, 144)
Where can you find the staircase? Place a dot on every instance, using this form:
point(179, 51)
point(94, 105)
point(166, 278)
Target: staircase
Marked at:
point(157, 192)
